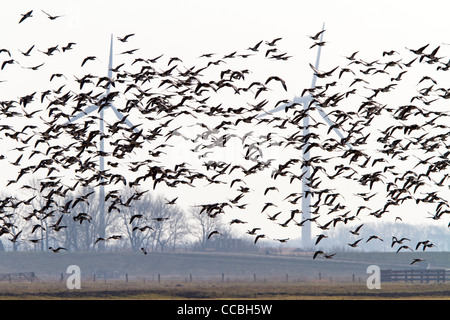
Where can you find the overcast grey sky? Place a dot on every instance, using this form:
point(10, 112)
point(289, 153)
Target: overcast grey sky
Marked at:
point(189, 28)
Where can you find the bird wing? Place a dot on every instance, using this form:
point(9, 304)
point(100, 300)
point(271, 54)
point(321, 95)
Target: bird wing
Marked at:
point(46, 13)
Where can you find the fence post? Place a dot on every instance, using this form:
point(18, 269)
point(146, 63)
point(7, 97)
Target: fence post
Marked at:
point(126, 277)
point(159, 278)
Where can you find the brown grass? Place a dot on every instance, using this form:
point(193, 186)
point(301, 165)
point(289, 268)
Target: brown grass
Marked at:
point(221, 291)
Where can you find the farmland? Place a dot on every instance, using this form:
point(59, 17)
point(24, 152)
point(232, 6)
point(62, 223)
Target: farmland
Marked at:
point(199, 265)
point(188, 275)
point(172, 290)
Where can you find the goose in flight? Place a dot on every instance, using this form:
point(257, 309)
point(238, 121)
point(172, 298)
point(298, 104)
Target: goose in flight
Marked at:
point(268, 204)
point(87, 59)
point(274, 216)
point(374, 237)
point(355, 244)
point(420, 50)
point(15, 237)
point(27, 53)
point(356, 231)
point(6, 50)
point(125, 38)
point(417, 260)
point(320, 44)
point(273, 42)
point(50, 16)
point(259, 236)
point(320, 237)
point(404, 247)
point(255, 47)
point(318, 252)
point(68, 46)
point(276, 78)
point(27, 15)
point(35, 67)
point(321, 74)
point(399, 241)
point(99, 239)
point(213, 233)
point(253, 231)
point(6, 62)
point(317, 35)
point(171, 201)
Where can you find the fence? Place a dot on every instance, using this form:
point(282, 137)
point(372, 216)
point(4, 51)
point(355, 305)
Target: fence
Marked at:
point(422, 275)
point(116, 277)
point(19, 277)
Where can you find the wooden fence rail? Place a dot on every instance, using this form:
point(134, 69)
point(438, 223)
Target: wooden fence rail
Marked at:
point(422, 275)
point(19, 277)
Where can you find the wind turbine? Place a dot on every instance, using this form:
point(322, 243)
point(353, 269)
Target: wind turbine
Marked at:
point(306, 100)
point(120, 116)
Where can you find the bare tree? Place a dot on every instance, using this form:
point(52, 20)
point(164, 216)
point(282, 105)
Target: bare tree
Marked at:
point(203, 227)
point(169, 225)
point(66, 220)
point(80, 220)
point(149, 222)
point(133, 217)
point(11, 223)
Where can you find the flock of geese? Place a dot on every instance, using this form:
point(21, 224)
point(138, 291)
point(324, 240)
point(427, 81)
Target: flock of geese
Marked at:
point(162, 91)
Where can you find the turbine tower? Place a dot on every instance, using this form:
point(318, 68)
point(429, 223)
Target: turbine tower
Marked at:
point(306, 101)
point(120, 116)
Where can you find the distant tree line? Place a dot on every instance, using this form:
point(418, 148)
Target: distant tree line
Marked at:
point(151, 224)
point(147, 224)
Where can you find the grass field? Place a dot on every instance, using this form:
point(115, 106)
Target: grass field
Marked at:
point(212, 291)
point(216, 276)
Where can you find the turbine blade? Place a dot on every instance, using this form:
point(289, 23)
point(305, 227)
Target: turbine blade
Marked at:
point(319, 50)
point(302, 100)
point(81, 114)
point(110, 60)
point(120, 116)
